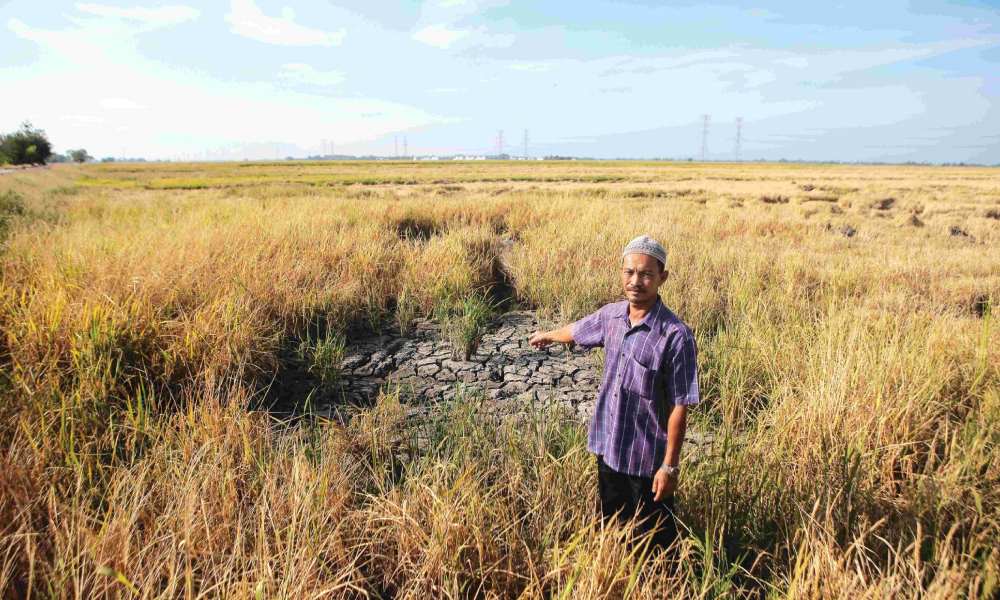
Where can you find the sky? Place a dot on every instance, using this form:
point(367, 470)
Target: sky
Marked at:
point(255, 79)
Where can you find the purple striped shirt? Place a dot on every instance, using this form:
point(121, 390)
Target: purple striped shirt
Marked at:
point(648, 368)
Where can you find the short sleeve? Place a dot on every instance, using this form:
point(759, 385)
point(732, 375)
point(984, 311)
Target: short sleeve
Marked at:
point(588, 332)
point(681, 374)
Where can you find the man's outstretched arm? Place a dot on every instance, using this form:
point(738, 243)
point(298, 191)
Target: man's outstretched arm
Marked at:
point(588, 332)
point(541, 339)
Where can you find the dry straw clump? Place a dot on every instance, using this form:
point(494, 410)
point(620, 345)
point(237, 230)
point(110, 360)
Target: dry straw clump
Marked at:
point(850, 382)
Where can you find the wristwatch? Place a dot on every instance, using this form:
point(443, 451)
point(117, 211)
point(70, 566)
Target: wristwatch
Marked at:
point(671, 471)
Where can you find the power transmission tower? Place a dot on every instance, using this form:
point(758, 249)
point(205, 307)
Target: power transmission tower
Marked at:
point(395, 147)
point(406, 152)
point(499, 143)
point(704, 135)
point(739, 137)
point(525, 144)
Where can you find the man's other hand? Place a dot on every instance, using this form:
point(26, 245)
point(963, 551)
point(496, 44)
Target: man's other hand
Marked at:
point(540, 339)
point(664, 485)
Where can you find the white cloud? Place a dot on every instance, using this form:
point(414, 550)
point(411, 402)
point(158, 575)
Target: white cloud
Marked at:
point(247, 20)
point(82, 119)
point(450, 12)
point(155, 17)
point(20, 28)
point(481, 37)
point(120, 104)
point(530, 67)
point(75, 46)
point(754, 77)
point(127, 104)
point(442, 36)
point(303, 73)
point(830, 65)
point(439, 36)
point(440, 24)
point(629, 65)
point(97, 37)
point(798, 62)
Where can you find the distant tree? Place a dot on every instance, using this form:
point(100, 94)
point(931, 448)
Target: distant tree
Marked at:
point(79, 156)
point(26, 146)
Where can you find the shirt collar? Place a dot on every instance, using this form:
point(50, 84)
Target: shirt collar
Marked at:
point(651, 316)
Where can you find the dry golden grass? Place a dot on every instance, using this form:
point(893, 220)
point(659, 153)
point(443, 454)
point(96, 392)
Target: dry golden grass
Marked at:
point(849, 364)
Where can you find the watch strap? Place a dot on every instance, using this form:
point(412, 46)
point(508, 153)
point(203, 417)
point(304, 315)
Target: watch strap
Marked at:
point(672, 471)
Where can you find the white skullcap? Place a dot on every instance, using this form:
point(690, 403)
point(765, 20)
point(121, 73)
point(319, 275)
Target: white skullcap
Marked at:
point(647, 245)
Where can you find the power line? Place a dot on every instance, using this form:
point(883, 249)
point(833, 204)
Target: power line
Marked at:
point(704, 135)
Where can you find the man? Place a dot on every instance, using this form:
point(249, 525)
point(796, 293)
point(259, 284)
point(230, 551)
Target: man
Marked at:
point(650, 378)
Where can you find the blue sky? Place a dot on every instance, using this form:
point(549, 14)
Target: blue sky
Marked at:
point(888, 80)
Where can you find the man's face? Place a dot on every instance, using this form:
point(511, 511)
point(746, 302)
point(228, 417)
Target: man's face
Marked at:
point(641, 278)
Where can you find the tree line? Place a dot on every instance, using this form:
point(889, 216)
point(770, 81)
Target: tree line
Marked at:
point(30, 146)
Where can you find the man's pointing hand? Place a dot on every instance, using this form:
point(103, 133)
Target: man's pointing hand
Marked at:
point(540, 339)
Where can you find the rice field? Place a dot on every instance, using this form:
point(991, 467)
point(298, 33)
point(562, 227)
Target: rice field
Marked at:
point(849, 364)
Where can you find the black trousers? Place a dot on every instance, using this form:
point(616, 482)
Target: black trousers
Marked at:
point(623, 496)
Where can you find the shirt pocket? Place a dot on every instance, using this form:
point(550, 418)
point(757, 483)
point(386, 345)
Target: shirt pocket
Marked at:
point(640, 379)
